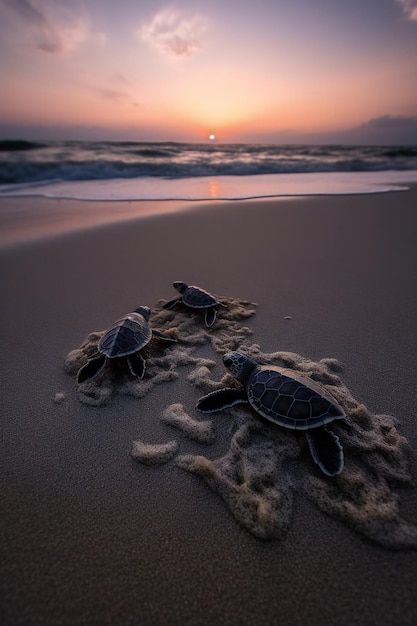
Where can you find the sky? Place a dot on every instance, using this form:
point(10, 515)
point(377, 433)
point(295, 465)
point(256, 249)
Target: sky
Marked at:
point(268, 71)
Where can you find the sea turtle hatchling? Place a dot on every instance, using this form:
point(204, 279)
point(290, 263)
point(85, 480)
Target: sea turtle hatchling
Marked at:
point(124, 339)
point(286, 398)
point(196, 298)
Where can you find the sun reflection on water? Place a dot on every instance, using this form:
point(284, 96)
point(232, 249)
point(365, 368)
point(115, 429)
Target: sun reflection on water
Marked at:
point(213, 189)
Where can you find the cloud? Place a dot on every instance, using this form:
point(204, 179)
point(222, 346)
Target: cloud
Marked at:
point(174, 34)
point(106, 93)
point(386, 130)
point(116, 91)
point(119, 78)
point(51, 26)
point(409, 7)
point(394, 122)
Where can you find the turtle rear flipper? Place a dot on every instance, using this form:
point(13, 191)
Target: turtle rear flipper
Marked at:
point(136, 365)
point(210, 316)
point(221, 399)
point(326, 450)
point(171, 303)
point(162, 335)
point(91, 369)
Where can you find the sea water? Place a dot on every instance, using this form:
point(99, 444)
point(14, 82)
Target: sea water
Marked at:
point(184, 171)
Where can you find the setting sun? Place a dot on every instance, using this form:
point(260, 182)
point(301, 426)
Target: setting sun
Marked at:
point(272, 73)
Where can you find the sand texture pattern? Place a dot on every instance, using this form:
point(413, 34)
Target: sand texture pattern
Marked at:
point(124, 505)
point(266, 466)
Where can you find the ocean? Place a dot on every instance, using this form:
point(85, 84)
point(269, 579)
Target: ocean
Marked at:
point(188, 171)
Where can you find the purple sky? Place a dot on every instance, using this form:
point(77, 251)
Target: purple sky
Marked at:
point(266, 71)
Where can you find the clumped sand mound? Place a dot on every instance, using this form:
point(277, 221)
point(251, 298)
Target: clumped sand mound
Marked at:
point(266, 466)
point(163, 359)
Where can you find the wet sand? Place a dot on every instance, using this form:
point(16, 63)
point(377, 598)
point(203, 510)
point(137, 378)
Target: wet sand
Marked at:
point(91, 534)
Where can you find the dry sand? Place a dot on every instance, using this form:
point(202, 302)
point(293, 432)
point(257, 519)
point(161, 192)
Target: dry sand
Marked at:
point(92, 536)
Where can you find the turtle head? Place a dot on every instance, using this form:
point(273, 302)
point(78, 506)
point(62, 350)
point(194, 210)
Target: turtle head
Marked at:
point(180, 286)
point(144, 311)
point(239, 365)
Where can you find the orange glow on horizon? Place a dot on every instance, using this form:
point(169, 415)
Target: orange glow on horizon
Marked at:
point(175, 74)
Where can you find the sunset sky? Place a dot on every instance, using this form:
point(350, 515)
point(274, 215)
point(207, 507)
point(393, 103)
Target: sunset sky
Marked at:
point(246, 70)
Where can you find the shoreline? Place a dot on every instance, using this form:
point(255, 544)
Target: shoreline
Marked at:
point(92, 535)
point(20, 223)
point(216, 186)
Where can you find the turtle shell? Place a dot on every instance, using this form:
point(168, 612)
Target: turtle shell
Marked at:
point(198, 298)
point(126, 336)
point(291, 399)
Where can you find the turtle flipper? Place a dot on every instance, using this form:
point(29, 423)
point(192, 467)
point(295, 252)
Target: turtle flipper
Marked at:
point(210, 316)
point(136, 365)
point(91, 369)
point(171, 303)
point(326, 450)
point(161, 335)
point(221, 399)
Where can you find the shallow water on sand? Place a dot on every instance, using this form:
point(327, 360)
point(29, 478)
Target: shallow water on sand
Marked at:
point(36, 212)
point(216, 187)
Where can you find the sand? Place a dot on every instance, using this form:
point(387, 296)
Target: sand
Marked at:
point(131, 508)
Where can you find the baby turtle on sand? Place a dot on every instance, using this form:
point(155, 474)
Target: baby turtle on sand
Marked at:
point(196, 298)
point(288, 399)
point(125, 338)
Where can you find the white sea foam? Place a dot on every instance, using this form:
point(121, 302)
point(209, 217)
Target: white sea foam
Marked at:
point(184, 171)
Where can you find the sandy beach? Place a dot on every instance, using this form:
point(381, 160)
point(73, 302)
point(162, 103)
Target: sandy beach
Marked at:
point(92, 536)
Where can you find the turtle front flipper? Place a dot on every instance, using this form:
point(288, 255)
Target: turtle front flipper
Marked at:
point(221, 399)
point(326, 450)
point(171, 303)
point(91, 369)
point(136, 364)
point(210, 316)
point(162, 335)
